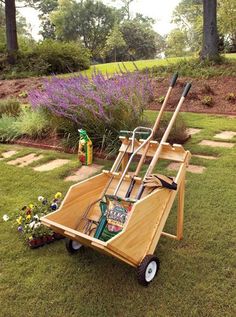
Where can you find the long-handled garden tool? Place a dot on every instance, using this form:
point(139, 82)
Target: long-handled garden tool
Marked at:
point(163, 140)
point(155, 128)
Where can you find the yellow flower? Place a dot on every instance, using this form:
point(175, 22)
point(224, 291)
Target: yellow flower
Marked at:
point(31, 206)
point(30, 238)
point(28, 217)
point(58, 195)
point(19, 220)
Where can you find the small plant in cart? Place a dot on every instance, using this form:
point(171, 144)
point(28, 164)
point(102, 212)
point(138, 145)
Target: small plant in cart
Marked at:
point(28, 221)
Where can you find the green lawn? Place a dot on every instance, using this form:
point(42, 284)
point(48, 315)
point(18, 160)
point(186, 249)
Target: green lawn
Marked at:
point(111, 68)
point(197, 275)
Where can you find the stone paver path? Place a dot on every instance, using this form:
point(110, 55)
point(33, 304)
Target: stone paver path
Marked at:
point(207, 157)
point(225, 135)
point(84, 172)
point(192, 131)
point(25, 160)
point(7, 154)
point(191, 168)
point(216, 144)
point(51, 165)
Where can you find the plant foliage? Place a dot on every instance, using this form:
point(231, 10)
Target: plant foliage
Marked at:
point(101, 106)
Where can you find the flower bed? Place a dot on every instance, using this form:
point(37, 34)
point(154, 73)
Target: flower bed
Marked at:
point(28, 221)
point(99, 105)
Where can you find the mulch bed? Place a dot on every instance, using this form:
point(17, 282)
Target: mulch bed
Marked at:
point(218, 88)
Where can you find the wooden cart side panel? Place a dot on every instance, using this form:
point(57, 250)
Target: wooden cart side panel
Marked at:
point(86, 240)
point(77, 200)
point(159, 226)
point(135, 238)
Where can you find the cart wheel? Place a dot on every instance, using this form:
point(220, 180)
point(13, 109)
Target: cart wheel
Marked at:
point(148, 269)
point(73, 246)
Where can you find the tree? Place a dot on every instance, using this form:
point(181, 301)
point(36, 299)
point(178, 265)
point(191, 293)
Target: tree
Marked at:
point(188, 15)
point(140, 39)
point(176, 43)
point(91, 21)
point(210, 35)
point(227, 21)
point(23, 30)
point(11, 33)
point(115, 41)
point(126, 8)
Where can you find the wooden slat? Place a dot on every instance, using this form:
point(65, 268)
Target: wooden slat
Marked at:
point(175, 152)
point(169, 235)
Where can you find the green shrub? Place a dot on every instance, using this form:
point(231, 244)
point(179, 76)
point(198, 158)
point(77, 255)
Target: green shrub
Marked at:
point(7, 128)
point(10, 107)
point(34, 124)
point(207, 101)
point(46, 58)
point(63, 57)
point(230, 97)
point(178, 133)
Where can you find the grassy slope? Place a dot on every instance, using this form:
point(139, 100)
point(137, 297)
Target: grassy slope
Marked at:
point(197, 275)
point(111, 68)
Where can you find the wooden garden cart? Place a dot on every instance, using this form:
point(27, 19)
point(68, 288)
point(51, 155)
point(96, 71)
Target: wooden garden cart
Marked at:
point(136, 243)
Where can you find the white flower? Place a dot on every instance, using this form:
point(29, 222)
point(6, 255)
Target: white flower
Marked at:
point(40, 198)
point(36, 217)
point(5, 217)
point(38, 224)
point(31, 225)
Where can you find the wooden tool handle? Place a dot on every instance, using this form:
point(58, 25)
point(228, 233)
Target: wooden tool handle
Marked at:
point(164, 138)
point(155, 128)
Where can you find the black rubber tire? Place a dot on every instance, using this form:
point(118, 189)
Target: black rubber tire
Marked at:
point(71, 249)
point(141, 270)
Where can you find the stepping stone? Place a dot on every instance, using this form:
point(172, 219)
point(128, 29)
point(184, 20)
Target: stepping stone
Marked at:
point(8, 154)
point(207, 157)
point(216, 144)
point(25, 160)
point(84, 172)
point(193, 131)
point(51, 165)
point(225, 135)
point(191, 168)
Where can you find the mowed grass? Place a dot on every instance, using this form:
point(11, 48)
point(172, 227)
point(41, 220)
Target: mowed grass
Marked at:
point(197, 275)
point(112, 68)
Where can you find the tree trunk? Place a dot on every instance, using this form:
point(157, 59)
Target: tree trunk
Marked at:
point(210, 35)
point(11, 35)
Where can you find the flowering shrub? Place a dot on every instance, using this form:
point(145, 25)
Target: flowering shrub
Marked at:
point(99, 105)
point(28, 220)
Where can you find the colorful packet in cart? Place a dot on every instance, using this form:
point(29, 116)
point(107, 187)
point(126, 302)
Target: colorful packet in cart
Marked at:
point(117, 212)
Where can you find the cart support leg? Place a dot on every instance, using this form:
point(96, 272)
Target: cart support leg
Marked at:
point(180, 215)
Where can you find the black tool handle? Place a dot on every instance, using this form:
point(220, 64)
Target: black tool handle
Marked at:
point(131, 186)
point(174, 79)
point(186, 89)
